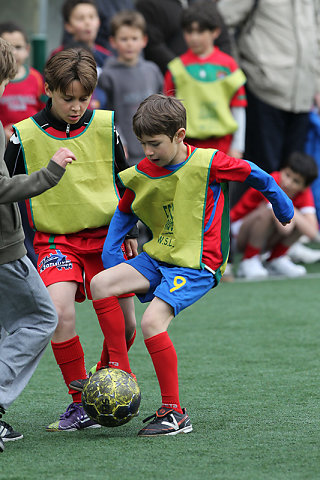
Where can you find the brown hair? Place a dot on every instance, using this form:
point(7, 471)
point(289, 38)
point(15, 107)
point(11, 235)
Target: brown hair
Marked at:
point(303, 164)
point(68, 65)
point(10, 27)
point(130, 18)
point(69, 6)
point(159, 114)
point(8, 67)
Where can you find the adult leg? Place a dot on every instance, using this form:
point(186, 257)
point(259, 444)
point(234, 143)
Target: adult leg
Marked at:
point(29, 317)
point(297, 125)
point(265, 133)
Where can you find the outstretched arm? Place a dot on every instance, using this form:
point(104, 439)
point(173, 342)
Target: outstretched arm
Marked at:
point(24, 186)
point(281, 203)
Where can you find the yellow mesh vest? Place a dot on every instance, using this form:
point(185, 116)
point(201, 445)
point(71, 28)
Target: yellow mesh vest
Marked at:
point(207, 103)
point(173, 207)
point(86, 196)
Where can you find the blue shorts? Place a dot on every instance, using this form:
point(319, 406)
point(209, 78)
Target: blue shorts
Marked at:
point(178, 286)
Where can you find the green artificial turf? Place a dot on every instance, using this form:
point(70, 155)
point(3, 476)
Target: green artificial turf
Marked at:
point(249, 369)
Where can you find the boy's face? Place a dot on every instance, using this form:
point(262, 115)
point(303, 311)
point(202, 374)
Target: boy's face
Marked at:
point(162, 151)
point(71, 106)
point(200, 41)
point(21, 48)
point(128, 42)
point(3, 85)
point(291, 182)
point(84, 23)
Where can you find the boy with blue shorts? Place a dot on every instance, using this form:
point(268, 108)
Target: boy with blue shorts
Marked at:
point(181, 193)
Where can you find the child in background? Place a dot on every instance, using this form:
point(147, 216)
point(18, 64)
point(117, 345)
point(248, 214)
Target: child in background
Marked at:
point(181, 193)
point(210, 84)
point(256, 230)
point(27, 313)
point(24, 95)
point(128, 79)
point(82, 22)
point(72, 223)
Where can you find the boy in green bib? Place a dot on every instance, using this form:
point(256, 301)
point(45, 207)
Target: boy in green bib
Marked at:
point(181, 193)
point(71, 225)
point(209, 82)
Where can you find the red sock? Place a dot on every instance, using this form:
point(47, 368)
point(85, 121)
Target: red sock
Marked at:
point(278, 251)
point(112, 324)
point(132, 339)
point(70, 358)
point(104, 359)
point(165, 362)
point(250, 251)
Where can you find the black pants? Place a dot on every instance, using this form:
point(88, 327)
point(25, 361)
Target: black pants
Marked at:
point(272, 134)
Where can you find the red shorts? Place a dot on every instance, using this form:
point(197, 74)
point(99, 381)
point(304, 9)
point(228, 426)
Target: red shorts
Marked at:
point(67, 263)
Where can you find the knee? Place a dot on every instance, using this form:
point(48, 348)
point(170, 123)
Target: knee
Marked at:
point(149, 325)
point(98, 288)
point(66, 317)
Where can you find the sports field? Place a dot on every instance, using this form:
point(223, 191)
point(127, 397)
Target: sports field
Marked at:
point(249, 363)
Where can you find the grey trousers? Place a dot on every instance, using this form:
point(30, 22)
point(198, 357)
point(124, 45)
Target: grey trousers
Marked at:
point(28, 317)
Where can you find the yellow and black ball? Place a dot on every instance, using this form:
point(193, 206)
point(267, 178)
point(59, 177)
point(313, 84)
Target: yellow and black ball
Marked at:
point(111, 397)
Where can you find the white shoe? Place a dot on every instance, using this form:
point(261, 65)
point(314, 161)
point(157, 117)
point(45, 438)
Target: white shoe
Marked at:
point(284, 266)
point(300, 253)
point(252, 268)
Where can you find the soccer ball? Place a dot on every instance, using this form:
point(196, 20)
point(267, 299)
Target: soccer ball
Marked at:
point(111, 397)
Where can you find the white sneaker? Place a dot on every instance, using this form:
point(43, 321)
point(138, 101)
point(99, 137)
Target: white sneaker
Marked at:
point(300, 253)
point(284, 266)
point(252, 268)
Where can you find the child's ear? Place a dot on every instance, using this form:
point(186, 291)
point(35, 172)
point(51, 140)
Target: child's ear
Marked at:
point(145, 40)
point(68, 27)
point(47, 90)
point(215, 34)
point(112, 42)
point(180, 135)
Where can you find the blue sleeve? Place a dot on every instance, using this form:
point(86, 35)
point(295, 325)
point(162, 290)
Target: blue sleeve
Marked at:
point(119, 226)
point(262, 181)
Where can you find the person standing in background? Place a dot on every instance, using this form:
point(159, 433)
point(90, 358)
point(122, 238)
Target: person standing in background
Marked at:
point(278, 50)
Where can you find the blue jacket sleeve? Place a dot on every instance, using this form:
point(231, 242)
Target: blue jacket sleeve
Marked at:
point(119, 226)
point(262, 181)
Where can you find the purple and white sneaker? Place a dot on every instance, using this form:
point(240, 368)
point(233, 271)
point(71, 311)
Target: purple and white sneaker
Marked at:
point(74, 418)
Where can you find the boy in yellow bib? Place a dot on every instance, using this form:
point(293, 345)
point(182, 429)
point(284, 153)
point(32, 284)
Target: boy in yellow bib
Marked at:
point(181, 194)
point(209, 82)
point(71, 225)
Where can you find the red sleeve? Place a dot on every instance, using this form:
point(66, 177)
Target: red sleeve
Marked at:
point(225, 168)
point(239, 99)
point(247, 203)
point(304, 199)
point(168, 85)
point(126, 201)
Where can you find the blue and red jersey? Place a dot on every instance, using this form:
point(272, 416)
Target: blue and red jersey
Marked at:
point(223, 169)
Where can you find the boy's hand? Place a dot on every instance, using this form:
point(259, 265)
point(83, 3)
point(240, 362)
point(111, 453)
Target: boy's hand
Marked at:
point(63, 156)
point(131, 247)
